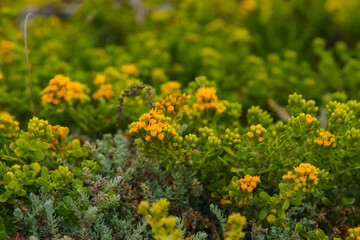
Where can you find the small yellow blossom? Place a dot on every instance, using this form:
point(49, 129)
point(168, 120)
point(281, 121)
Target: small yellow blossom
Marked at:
point(172, 104)
point(99, 80)
point(130, 69)
point(60, 133)
point(248, 183)
point(206, 99)
point(105, 91)
point(151, 125)
point(6, 53)
point(326, 140)
point(257, 131)
point(170, 87)
point(353, 233)
point(62, 90)
point(9, 127)
point(271, 218)
point(305, 178)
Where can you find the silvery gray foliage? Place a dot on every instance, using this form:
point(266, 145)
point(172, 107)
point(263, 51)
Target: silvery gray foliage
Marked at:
point(41, 220)
point(219, 215)
point(137, 234)
point(110, 152)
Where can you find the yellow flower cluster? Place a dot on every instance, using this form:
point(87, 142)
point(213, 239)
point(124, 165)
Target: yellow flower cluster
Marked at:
point(234, 227)
point(206, 99)
point(105, 90)
point(8, 126)
point(59, 135)
point(171, 104)
point(326, 139)
point(163, 227)
point(171, 87)
point(99, 80)
point(62, 90)
point(130, 69)
point(152, 125)
point(353, 234)
point(6, 51)
point(257, 132)
point(305, 178)
point(308, 118)
point(248, 183)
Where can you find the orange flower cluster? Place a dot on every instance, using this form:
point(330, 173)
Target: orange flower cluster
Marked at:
point(105, 91)
point(257, 131)
point(152, 125)
point(305, 178)
point(171, 104)
point(248, 183)
point(326, 139)
point(130, 69)
point(61, 89)
point(171, 87)
point(59, 135)
point(99, 80)
point(206, 99)
point(6, 51)
point(8, 126)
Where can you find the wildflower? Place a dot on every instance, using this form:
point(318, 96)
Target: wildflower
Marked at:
point(247, 6)
point(304, 180)
point(130, 69)
point(162, 227)
point(62, 90)
point(59, 135)
point(158, 75)
point(206, 99)
point(172, 104)
point(152, 125)
point(105, 91)
point(9, 127)
point(353, 233)
point(6, 48)
point(171, 87)
point(326, 140)
point(257, 132)
point(271, 218)
point(99, 80)
point(235, 224)
point(248, 183)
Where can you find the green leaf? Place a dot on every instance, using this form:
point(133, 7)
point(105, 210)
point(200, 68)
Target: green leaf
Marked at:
point(5, 196)
point(45, 173)
point(77, 184)
point(37, 155)
point(286, 205)
point(23, 144)
point(327, 202)
point(263, 213)
point(281, 213)
point(20, 192)
point(283, 188)
point(264, 196)
point(170, 166)
point(347, 201)
point(44, 183)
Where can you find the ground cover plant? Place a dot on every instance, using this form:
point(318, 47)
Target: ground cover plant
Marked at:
point(191, 119)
